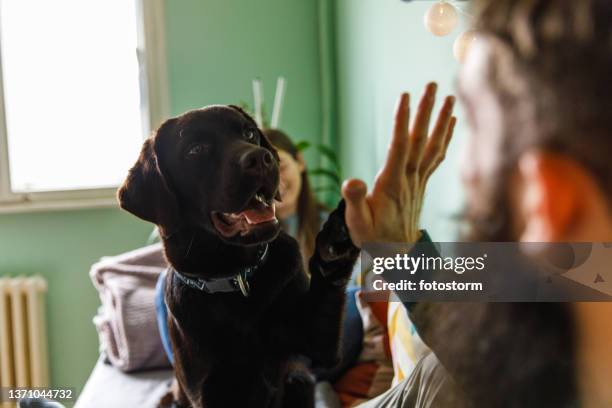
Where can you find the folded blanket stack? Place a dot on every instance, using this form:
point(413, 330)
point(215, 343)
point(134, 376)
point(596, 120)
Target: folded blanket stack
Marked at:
point(126, 321)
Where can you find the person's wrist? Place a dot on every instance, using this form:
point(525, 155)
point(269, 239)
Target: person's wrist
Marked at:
point(412, 236)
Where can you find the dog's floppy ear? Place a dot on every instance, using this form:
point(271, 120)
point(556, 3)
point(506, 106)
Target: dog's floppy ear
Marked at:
point(265, 143)
point(145, 193)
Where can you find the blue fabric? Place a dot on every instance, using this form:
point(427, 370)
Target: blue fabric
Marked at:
point(162, 315)
point(352, 338)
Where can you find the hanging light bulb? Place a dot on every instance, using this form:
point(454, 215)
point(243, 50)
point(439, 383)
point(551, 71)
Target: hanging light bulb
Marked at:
point(462, 45)
point(441, 18)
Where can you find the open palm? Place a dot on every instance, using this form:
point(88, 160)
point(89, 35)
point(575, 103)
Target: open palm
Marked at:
point(391, 211)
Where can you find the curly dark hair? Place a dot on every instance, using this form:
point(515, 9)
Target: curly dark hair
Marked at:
point(549, 64)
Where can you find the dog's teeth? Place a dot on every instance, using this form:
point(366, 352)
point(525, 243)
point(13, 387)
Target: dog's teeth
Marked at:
point(260, 198)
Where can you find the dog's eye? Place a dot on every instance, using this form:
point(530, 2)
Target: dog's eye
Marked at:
point(251, 135)
point(195, 150)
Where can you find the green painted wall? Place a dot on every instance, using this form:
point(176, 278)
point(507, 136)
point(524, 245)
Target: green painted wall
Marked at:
point(61, 246)
point(215, 48)
point(384, 49)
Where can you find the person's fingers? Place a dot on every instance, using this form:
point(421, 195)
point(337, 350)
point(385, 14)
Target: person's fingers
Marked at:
point(354, 190)
point(450, 133)
point(449, 136)
point(358, 215)
point(398, 148)
point(420, 128)
point(436, 142)
point(442, 155)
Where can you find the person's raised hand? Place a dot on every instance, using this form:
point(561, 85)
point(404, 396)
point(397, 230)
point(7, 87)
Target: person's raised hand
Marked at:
point(391, 211)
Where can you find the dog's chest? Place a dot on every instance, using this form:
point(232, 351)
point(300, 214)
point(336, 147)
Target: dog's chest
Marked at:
point(233, 321)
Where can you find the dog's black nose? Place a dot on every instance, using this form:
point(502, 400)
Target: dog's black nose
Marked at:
point(257, 159)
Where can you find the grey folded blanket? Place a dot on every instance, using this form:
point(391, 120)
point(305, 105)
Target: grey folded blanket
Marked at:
point(126, 321)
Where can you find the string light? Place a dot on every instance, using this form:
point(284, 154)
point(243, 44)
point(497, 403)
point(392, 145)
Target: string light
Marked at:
point(441, 18)
point(462, 45)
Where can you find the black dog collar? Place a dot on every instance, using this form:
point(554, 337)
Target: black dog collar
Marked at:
point(238, 282)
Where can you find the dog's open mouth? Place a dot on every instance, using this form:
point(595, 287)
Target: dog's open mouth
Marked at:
point(258, 212)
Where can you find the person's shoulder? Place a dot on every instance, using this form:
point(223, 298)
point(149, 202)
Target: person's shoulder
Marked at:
point(431, 384)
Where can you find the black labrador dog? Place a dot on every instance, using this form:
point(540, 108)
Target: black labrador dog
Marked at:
point(245, 319)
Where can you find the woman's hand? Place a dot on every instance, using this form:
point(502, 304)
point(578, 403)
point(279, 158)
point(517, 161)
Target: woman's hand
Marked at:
point(391, 211)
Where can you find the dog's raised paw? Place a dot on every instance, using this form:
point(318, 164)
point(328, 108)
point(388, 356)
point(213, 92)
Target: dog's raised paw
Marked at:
point(333, 241)
point(335, 251)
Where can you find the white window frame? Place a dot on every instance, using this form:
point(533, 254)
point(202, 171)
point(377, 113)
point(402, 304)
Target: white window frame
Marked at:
point(154, 96)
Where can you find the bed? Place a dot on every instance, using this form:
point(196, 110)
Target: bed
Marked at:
point(108, 387)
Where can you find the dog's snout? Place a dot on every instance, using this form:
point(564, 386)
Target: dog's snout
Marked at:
point(256, 160)
point(268, 160)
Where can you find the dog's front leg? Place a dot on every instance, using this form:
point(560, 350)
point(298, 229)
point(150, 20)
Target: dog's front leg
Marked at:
point(330, 268)
point(190, 363)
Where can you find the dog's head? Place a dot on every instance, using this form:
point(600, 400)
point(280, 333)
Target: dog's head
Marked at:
point(211, 169)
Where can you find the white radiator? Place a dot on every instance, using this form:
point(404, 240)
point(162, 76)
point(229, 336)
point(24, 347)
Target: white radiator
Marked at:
point(23, 335)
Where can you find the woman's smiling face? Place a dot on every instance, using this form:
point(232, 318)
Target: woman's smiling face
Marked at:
point(291, 170)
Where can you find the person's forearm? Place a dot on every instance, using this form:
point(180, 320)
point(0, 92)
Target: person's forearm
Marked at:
point(423, 314)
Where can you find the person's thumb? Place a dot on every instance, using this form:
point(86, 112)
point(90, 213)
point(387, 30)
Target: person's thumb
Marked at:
point(358, 215)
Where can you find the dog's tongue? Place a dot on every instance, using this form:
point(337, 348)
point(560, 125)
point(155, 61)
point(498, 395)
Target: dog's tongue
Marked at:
point(260, 214)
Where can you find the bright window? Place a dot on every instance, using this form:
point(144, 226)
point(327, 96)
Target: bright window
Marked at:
point(75, 94)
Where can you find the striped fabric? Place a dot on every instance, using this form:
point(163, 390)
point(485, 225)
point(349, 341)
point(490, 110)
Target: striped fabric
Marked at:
point(405, 343)
point(373, 372)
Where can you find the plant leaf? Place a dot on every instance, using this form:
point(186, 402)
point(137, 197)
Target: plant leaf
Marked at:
point(326, 173)
point(302, 145)
point(330, 155)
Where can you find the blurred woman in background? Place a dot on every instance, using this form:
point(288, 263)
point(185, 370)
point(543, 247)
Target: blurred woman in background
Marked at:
point(299, 212)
